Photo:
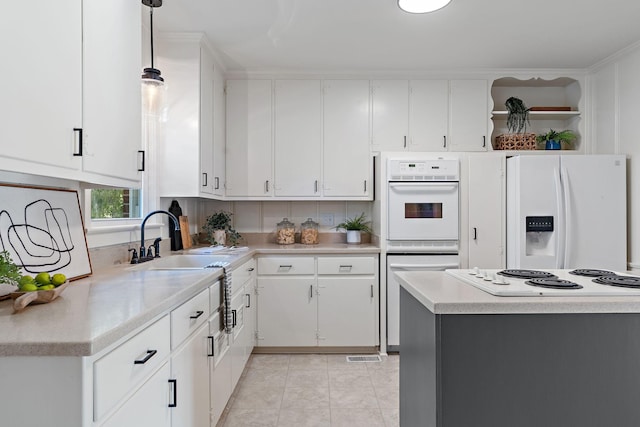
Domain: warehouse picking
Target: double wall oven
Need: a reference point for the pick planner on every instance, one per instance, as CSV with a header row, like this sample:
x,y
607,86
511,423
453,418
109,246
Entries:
x,y
423,226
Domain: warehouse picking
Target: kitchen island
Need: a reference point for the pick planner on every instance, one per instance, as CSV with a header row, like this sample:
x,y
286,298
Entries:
x,y
473,359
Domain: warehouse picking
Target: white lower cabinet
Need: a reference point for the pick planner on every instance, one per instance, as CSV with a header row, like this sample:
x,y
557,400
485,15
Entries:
x,y
189,389
346,311
149,406
287,311
333,305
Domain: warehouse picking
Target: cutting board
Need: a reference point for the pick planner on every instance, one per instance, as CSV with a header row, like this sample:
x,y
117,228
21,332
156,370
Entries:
x,y
184,232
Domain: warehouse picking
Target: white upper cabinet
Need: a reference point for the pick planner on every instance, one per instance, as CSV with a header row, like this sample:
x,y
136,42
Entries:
x,y
111,89
469,115
186,153
49,82
390,115
428,115
249,129
298,138
346,154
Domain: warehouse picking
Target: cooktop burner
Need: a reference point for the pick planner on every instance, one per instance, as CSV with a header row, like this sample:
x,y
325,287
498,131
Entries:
x,y
553,284
527,274
590,272
621,281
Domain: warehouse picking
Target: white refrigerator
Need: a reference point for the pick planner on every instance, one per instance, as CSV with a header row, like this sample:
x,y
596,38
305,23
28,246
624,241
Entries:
x,y
567,211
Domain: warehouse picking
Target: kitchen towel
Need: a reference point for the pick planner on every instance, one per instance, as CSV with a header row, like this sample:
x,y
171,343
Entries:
x,y
226,286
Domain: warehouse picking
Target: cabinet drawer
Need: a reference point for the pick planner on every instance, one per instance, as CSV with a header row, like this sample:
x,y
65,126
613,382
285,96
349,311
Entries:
x,y
286,265
119,371
215,296
243,274
346,265
188,317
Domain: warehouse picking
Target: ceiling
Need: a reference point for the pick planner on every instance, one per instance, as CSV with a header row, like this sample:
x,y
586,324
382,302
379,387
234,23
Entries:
x,y
375,35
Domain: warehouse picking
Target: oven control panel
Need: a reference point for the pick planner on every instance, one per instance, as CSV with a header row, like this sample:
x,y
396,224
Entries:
x,y
423,170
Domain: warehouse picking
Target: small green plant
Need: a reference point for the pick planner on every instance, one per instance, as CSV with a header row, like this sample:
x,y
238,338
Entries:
x,y
566,136
517,115
9,271
220,220
356,223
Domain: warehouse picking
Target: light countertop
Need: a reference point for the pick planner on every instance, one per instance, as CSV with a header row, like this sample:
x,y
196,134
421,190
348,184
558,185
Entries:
x,y
441,293
95,312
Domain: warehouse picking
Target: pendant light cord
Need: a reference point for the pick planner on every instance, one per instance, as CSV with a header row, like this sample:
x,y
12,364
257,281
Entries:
x,y
151,25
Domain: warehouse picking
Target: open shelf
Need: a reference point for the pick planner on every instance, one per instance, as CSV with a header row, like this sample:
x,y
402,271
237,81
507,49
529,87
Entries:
x,y
541,115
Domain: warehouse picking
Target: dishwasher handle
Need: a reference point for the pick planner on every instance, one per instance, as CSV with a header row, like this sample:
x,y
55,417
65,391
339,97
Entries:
x,y
434,267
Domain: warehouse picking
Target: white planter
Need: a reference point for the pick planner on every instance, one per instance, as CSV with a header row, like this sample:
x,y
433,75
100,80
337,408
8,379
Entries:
x,y
353,236
220,236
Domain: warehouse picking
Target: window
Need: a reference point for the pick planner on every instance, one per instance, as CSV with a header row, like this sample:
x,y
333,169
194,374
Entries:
x,y
116,203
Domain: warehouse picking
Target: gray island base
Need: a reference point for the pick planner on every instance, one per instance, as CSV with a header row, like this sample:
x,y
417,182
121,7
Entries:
x,y
462,369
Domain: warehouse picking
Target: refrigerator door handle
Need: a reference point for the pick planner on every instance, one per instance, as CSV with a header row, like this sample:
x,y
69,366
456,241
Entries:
x,y
560,234
564,178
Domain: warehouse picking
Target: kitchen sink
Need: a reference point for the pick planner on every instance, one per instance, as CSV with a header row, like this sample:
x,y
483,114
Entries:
x,y
183,262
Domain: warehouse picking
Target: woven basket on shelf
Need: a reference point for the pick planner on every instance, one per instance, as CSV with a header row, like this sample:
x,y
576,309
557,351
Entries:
x,y
515,141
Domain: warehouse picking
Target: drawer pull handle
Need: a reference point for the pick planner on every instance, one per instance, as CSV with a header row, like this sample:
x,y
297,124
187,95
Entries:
x,y
212,346
150,354
174,392
286,266
234,315
198,314
346,266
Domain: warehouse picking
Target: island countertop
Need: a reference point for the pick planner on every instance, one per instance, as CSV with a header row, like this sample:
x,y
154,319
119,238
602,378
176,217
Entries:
x,y
441,293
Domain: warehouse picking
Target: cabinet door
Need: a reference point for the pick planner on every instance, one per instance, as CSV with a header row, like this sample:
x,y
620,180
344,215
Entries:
x,y
111,89
469,115
346,311
486,211
298,121
220,383
239,337
219,143
39,113
249,128
250,316
346,153
428,115
390,115
287,311
190,370
207,177
149,406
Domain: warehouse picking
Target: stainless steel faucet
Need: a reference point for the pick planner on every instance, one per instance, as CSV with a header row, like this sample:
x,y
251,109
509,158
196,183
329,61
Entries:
x,y
142,257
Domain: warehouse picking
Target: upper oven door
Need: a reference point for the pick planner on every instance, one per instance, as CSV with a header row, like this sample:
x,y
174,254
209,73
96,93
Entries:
x,y
423,211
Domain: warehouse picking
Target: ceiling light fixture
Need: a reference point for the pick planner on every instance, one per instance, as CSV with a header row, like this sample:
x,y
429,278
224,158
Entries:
x,y
422,6
152,83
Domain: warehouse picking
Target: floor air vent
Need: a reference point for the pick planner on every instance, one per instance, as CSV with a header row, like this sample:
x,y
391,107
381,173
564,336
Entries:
x,y
373,358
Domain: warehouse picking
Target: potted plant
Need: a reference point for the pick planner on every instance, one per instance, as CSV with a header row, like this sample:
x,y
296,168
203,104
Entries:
x,y
354,226
219,230
554,139
517,137
9,271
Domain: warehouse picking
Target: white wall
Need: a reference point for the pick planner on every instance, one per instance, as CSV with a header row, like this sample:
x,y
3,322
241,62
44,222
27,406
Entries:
x,y
615,90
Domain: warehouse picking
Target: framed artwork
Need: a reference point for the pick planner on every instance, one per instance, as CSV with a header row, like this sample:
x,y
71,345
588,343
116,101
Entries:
x,y
43,231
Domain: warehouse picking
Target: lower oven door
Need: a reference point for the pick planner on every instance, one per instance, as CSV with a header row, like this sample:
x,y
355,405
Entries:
x,y
408,262
423,211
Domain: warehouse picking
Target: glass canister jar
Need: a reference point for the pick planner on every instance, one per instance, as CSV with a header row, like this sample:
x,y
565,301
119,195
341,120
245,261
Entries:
x,y
309,232
286,234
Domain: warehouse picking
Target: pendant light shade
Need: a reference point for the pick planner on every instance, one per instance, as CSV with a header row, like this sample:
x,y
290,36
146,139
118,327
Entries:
x,y
152,83
422,6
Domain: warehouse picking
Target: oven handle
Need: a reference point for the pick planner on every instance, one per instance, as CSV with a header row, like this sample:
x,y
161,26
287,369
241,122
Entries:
x,y
436,267
427,185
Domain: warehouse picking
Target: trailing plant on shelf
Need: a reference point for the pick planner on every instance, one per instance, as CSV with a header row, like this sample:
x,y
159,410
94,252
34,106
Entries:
x,y
517,115
219,230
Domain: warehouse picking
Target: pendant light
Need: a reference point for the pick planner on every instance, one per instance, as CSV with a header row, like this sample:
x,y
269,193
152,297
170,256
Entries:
x,y
422,6
152,83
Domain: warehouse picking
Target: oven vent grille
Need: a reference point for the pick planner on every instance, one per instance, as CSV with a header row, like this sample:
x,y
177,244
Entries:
x,y
374,358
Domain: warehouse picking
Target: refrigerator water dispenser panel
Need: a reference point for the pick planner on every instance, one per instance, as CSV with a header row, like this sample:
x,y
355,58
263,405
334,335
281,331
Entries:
x,y
539,223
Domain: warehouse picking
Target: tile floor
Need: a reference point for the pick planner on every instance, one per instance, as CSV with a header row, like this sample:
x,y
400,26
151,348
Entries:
x,y
298,390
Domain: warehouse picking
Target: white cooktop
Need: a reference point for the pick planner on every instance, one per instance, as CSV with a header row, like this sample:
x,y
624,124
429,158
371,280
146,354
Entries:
x,y
490,281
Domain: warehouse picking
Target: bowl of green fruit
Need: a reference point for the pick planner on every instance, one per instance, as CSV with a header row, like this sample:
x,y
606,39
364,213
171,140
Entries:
x,y
41,289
